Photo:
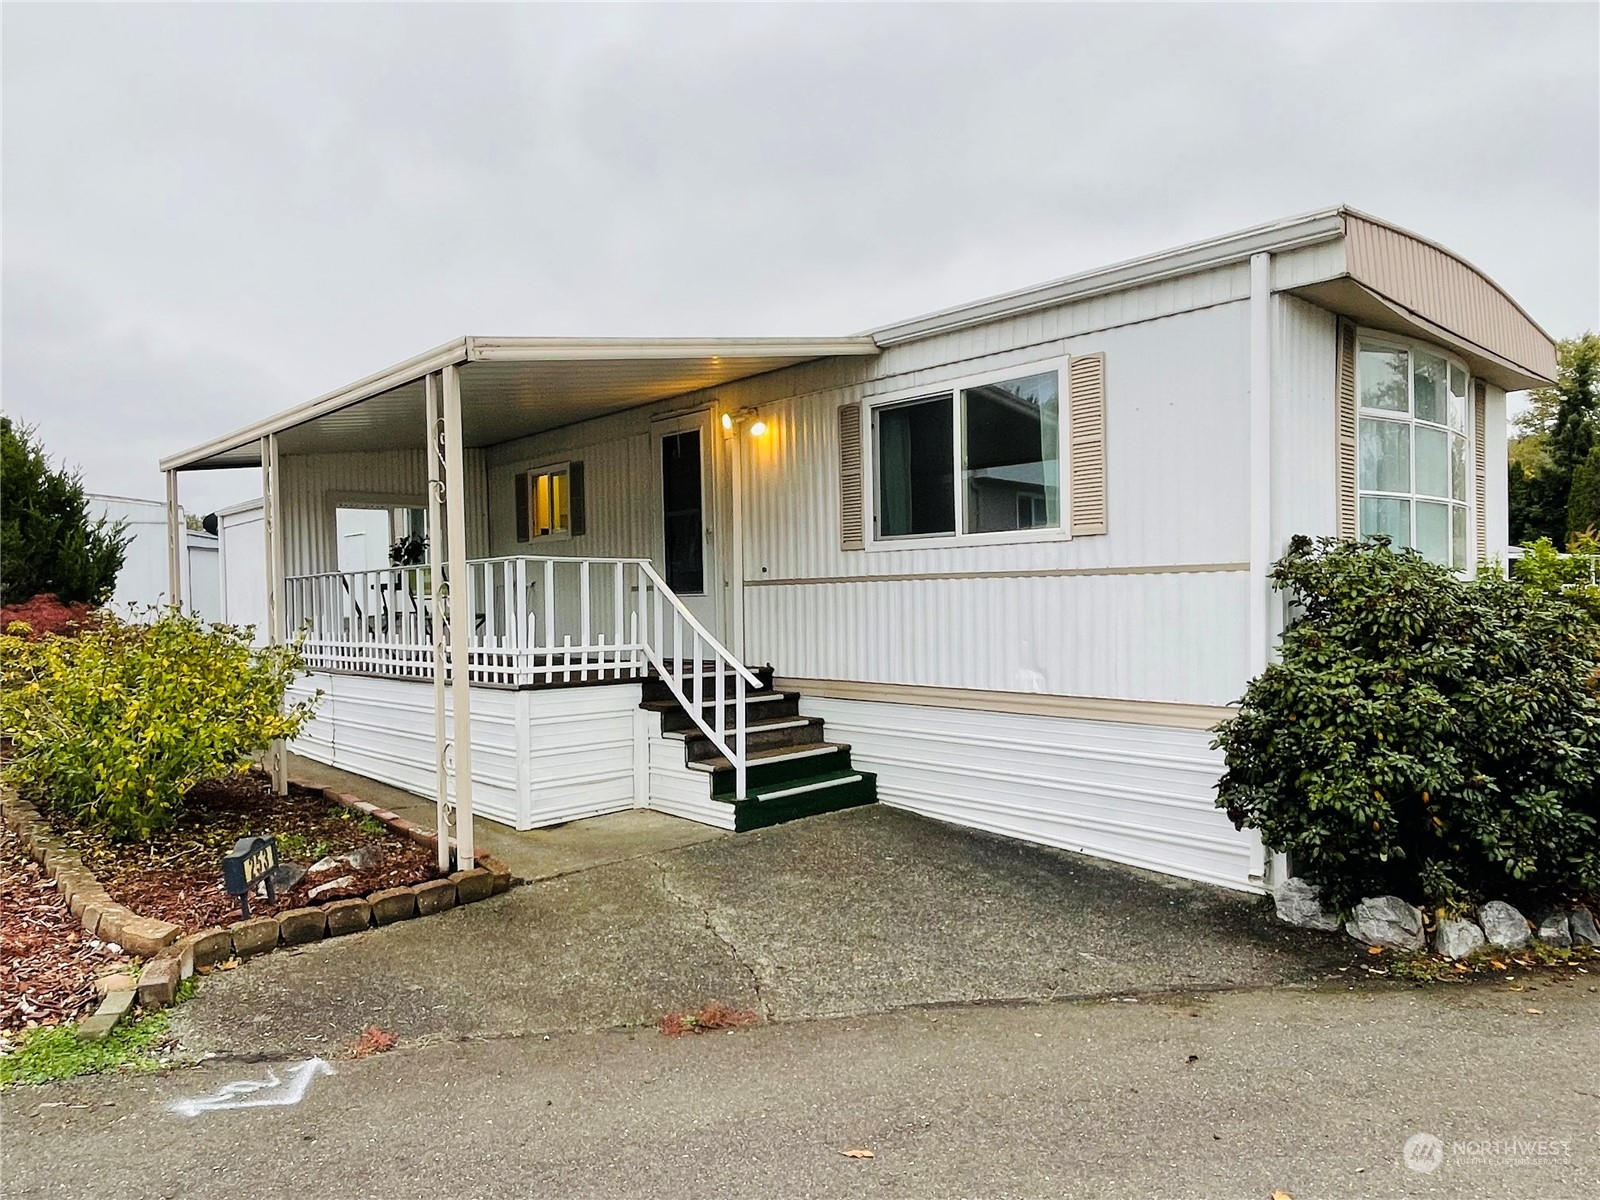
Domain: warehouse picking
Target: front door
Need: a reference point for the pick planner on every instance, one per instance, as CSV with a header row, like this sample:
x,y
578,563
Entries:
x,y
688,558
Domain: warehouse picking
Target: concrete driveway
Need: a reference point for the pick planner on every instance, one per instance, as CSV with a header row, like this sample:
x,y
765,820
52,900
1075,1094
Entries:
x,y
862,911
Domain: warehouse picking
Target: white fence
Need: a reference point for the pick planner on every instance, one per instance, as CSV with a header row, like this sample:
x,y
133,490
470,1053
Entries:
x,y
534,621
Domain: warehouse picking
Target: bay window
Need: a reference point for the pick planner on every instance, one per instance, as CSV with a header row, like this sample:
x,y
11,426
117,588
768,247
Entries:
x,y
1412,448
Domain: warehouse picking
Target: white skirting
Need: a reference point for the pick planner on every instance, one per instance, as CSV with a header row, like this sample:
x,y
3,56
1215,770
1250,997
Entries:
x,y
1137,794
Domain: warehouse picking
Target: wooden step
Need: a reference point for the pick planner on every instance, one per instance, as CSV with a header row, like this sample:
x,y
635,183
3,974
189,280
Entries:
x,y
776,768
759,706
653,687
759,736
828,792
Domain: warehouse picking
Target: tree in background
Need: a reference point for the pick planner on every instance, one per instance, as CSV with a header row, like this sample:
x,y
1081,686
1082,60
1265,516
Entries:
x,y
48,543
1554,442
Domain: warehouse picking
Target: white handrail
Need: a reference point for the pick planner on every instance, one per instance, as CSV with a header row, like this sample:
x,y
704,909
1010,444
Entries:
x,y
380,621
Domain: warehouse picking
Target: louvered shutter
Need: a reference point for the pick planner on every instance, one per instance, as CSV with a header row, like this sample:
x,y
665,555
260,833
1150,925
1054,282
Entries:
x,y
1480,466
577,514
519,489
851,518
1086,442
1345,397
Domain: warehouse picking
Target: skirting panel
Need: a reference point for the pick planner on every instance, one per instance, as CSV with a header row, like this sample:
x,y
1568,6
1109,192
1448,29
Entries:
x,y
538,758
1135,794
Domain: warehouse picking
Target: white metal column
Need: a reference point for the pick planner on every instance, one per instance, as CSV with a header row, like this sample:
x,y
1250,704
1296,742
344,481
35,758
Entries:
x,y
734,621
272,539
1261,550
174,543
462,612
436,573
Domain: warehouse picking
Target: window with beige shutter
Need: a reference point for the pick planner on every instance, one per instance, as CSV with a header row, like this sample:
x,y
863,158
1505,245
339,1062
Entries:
x,y
852,525
1086,444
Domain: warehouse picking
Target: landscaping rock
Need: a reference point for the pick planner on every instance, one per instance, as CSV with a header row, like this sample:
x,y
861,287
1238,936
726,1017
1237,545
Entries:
x,y
363,857
473,885
109,928
182,952
93,911
111,1010
158,982
298,926
286,875
323,865
393,904
347,916
1503,925
147,937
1387,921
333,885
119,981
254,936
498,869
1298,904
1457,939
1583,928
211,946
435,896
1555,929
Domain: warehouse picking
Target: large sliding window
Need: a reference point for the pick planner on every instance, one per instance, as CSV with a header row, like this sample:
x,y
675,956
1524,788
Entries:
x,y
1412,448
984,459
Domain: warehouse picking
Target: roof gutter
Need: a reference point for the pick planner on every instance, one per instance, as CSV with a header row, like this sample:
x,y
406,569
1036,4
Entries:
x,y
456,352
1292,234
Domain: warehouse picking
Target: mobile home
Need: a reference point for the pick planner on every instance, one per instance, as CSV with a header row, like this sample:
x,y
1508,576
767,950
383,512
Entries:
x,y
1004,565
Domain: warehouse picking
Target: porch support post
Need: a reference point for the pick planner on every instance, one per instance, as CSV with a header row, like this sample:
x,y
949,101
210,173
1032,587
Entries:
x,y
736,556
441,781
174,543
462,610
272,518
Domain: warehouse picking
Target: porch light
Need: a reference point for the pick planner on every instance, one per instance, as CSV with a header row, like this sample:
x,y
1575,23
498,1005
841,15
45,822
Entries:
x,y
757,428
727,422
754,425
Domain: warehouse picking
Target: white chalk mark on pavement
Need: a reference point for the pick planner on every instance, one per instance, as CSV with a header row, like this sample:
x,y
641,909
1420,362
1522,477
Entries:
x,y
270,1092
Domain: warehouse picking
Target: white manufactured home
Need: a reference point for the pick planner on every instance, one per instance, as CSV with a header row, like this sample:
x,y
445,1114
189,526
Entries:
x,y
1003,565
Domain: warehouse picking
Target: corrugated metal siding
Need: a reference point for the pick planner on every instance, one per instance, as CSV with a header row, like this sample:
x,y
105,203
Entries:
x,y
1495,447
313,485
622,503
1129,793
1447,291
1305,487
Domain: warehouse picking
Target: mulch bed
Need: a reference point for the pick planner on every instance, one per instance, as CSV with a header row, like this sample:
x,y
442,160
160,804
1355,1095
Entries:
x,y
48,964
177,875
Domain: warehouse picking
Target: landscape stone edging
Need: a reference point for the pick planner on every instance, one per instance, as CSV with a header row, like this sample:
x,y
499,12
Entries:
x,y
171,958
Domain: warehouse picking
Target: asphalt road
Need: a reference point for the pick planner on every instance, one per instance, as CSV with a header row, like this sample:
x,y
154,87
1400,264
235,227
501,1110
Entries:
x,y
1312,1092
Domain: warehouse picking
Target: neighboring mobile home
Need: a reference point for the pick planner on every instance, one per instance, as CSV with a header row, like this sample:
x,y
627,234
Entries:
x,y
1009,559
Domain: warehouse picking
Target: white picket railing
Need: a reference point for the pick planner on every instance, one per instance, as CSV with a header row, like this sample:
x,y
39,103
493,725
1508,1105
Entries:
x,y
535,620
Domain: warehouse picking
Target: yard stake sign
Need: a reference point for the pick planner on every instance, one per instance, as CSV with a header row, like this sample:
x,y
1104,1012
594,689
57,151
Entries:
x,y
251,861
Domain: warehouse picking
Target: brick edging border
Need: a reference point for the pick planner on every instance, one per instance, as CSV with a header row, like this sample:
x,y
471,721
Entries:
x,y
410,829
171,958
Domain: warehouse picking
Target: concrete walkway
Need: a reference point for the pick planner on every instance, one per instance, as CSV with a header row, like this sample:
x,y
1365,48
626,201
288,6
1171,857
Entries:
x,y
861,911
532,854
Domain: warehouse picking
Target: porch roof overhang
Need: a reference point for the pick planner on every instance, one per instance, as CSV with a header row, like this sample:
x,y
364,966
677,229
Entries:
x,y
513,387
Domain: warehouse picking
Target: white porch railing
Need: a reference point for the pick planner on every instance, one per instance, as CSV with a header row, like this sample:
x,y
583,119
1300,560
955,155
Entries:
x,y
534,621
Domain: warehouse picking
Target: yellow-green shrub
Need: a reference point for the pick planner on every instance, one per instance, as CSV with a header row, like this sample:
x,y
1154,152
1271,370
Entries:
x,y
116,723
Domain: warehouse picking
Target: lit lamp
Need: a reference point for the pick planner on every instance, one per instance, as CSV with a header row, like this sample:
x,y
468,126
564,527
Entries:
x,y
731,421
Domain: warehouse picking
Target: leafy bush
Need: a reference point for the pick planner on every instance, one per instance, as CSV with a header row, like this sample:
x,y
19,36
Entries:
x,y
1422,735
115,724
44,615
47,541
1572,576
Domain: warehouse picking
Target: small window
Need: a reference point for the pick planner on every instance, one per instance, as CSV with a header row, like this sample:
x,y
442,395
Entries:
x,y
549,502
1412,449
916,468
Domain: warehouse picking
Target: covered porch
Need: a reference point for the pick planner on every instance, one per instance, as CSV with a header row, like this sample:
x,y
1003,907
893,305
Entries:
x,y
453,596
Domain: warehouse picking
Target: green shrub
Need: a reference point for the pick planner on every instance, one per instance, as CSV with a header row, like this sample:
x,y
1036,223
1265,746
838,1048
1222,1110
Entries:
x,y
116,723
1571,577
47,541
1422,735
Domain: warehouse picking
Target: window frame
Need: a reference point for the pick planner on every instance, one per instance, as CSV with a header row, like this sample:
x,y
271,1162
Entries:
x,y
1470,501
533,474
873,541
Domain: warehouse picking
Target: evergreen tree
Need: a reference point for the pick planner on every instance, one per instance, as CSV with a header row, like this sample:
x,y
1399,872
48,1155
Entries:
x,y
1558,433
48,543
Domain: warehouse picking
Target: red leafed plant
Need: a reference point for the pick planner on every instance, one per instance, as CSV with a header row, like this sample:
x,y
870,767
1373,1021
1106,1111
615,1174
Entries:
x,y
712,1016
373,1041
44,614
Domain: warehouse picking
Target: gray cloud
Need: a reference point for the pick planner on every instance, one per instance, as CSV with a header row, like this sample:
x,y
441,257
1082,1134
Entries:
x,y
214,212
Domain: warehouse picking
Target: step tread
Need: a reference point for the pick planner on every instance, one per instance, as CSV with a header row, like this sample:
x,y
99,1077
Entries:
x,y
672,705
776,754
694,731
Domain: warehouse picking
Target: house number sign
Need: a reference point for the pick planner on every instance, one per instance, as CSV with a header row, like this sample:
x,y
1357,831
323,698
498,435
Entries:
x,y
251,861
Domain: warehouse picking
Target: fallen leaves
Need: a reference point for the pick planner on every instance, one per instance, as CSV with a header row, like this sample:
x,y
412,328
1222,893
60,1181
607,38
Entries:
x,y
858,1152
711,1016
373,1041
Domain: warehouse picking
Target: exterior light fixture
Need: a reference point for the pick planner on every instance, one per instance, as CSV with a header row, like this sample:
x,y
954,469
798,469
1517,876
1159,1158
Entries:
x,y
757,428
747,417
727,422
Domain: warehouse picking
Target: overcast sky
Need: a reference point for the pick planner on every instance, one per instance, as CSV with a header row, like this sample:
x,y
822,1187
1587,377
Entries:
x,y
212,213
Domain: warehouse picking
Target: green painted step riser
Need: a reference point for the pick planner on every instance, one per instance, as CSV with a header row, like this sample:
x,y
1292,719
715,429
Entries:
x,y
772,776
759,814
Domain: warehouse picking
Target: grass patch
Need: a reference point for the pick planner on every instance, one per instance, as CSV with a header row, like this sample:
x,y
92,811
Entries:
x,y
50,1054
365,822
54,1052
1489,961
